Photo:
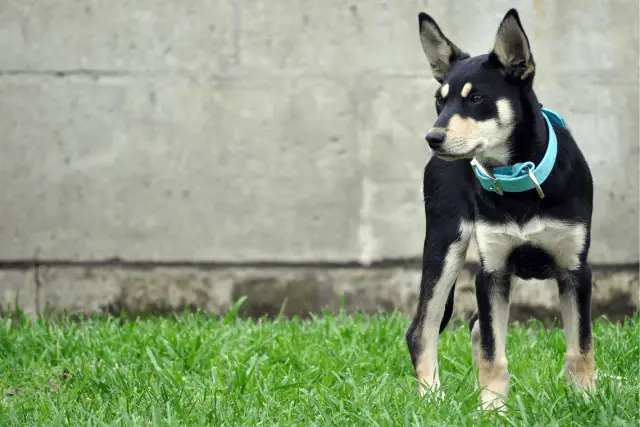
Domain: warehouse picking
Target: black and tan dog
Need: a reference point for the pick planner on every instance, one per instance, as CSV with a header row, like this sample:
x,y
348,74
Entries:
x,y
508,172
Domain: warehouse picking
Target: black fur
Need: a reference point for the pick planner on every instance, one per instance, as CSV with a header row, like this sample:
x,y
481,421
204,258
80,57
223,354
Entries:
x,y
453,194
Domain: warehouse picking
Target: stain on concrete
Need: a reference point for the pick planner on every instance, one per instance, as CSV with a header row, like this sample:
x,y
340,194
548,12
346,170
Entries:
x,y
118,291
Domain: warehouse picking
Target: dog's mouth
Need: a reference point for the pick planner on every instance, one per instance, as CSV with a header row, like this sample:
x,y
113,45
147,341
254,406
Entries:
x,y
452,157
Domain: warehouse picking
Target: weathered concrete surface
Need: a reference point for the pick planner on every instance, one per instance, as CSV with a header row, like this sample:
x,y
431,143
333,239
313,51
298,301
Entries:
x,y
18,289
77,291
292,291
214,170
274,131
87,291
149,35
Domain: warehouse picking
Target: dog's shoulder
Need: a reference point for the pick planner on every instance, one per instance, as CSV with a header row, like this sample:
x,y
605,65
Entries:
x,y
572,164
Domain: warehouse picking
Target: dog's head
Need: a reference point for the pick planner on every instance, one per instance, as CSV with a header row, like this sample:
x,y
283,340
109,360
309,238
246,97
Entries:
x,y
480,99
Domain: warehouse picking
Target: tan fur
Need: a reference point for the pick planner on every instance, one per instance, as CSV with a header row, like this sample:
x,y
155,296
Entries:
x,y
467,137
427,372
580,369
427,363
462,128
494,375
466,89
444,91
494,379
505,112
579,366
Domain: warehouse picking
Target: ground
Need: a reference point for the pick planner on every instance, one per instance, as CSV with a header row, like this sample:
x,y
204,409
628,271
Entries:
x,y
333,370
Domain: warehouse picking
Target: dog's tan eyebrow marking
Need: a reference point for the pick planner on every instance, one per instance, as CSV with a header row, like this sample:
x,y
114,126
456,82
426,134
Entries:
x,y
444,90
466,89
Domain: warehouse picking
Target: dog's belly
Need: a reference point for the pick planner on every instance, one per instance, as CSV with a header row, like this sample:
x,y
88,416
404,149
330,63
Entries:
x,y
534,249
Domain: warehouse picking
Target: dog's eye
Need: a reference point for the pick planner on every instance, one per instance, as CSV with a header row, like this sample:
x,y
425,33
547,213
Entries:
x,y
439,100
476,98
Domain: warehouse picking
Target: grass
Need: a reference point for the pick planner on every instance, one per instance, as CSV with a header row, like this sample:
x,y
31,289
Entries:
x,y
335,370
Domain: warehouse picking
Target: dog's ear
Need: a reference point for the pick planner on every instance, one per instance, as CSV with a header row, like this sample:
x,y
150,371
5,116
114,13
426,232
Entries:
x,y
440,52
511,50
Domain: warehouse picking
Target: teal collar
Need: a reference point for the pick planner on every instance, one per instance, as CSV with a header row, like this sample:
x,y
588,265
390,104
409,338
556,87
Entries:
x,y
523,176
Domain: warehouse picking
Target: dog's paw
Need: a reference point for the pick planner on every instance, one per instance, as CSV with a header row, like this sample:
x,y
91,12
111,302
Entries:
x,y
585,384
581,380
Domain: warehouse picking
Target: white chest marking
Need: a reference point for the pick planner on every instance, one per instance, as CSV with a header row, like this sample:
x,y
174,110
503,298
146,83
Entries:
x,y
564,241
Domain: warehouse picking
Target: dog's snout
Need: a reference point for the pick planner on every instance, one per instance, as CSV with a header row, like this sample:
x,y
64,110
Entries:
x,y
435,137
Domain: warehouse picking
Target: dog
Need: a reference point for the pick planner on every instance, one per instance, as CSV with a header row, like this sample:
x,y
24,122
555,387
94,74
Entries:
x,y
507,171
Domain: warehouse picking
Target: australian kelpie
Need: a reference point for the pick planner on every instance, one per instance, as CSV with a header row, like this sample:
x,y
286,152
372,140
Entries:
x,y
507,171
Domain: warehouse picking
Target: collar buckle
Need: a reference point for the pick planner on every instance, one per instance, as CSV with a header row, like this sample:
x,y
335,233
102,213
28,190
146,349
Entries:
x,y
496,185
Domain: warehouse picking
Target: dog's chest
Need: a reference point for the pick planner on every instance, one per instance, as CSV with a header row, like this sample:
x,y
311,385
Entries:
x,y
562,240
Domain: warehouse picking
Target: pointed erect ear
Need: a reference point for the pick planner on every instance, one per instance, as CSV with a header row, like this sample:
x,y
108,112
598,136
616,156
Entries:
x,y
512,50
440,52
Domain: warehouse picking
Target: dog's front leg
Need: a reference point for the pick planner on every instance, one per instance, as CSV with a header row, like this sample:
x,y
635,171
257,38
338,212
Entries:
x,y
490,333
575,302
444,254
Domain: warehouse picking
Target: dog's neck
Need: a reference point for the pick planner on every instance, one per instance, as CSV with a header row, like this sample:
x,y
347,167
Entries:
x,y
531,136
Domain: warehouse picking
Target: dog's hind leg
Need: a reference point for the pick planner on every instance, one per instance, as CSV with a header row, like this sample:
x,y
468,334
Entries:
x,y
445,249
492,294
575,302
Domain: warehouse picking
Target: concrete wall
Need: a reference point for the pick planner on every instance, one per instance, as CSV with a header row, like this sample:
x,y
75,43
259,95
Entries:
x,y
249,131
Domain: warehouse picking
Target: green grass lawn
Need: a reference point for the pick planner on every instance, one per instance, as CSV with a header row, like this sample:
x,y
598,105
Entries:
x,y
336,370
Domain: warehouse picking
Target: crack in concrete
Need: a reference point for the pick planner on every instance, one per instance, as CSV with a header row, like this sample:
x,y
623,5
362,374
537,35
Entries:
x,y
24,264
239,73
80,72
415,262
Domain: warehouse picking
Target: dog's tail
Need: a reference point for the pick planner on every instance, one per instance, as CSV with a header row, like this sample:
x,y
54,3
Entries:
x,y
448,309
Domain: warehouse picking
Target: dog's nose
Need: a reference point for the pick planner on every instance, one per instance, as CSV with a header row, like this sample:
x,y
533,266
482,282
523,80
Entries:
x,y
435,137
